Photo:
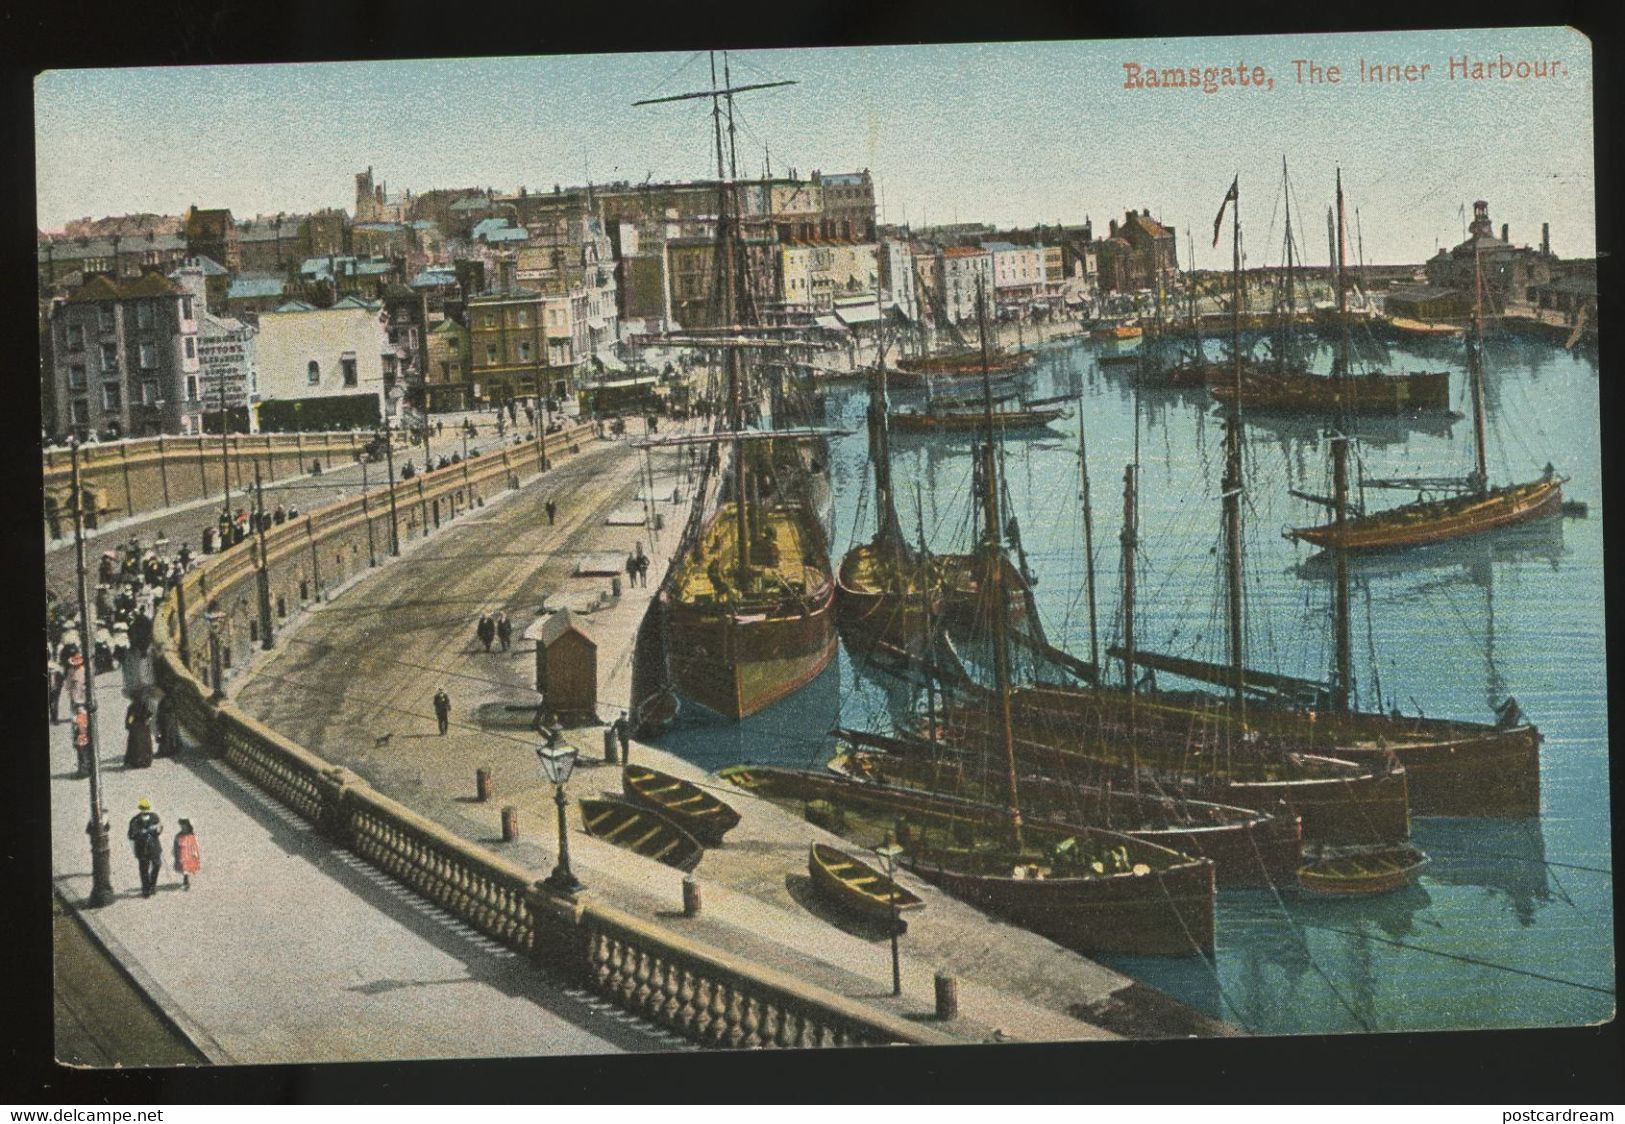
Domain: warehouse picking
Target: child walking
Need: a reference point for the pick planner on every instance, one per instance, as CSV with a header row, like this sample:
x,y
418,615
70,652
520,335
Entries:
x,y
186,853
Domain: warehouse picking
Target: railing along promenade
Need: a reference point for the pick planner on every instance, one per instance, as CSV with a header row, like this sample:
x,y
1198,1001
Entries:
x,y
142,475
702,993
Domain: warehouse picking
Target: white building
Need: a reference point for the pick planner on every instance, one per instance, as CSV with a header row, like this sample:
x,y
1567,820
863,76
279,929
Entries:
x,y
307,353
228,374
898,277
961,269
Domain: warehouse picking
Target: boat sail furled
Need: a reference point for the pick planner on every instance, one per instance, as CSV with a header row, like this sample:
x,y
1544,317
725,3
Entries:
x,y
747,604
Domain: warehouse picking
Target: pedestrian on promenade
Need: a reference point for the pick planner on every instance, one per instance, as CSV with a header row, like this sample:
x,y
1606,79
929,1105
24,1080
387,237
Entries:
x,y
442,710
504,631
187,858
439,428
486,630
165,732
279,515
208,540
138,744
553,731
631,569
552,510
643,570
184,556
54,678
145,828
623,734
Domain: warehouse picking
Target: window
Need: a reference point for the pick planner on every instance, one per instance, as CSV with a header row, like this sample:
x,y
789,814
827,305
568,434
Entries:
x,y
76,337
191,388
191,348
149,357
109,357
313,373
80,412
104,314
347,367
445,371
111,397
143,314
491,353
524,318
76,377
149,394
524,351
186,308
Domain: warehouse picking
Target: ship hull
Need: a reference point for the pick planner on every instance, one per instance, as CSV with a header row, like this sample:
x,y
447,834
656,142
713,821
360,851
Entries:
x,y
738,665
1301,392
1435,521
872,616
969,421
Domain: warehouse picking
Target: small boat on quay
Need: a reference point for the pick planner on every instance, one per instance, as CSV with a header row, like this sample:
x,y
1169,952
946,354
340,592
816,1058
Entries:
x,y
1117,331
641,831
700,813
857,887
1362,872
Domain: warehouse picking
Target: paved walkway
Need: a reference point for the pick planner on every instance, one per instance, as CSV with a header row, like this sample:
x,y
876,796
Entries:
x,y
285,946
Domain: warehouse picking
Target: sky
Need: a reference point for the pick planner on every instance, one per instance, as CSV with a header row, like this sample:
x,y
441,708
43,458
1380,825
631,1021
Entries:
x,y
1004,133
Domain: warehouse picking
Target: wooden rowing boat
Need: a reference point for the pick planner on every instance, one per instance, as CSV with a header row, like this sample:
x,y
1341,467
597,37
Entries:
x,y
855,886
642,831
1431,521
686,804
1356,873
969,420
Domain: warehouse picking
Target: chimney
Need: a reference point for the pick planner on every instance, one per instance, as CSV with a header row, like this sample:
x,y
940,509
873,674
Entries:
x,y
1503,232
505,270
1546,238
1111,227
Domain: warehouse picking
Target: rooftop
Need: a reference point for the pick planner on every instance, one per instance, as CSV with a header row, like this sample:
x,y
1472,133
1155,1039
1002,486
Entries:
x,y
249,286
101,288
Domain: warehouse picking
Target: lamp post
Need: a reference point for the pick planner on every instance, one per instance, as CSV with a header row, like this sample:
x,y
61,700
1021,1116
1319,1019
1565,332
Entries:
x,y
101,868
888,855
217,670
557,763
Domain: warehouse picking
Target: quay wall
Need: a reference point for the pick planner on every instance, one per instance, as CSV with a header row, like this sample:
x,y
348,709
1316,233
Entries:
x,y
702,993
150,474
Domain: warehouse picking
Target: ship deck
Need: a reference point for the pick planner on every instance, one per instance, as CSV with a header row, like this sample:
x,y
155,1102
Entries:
x,y
795,567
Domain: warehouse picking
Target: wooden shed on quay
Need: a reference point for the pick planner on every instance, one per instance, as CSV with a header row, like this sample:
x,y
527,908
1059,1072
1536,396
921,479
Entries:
x,y
566,666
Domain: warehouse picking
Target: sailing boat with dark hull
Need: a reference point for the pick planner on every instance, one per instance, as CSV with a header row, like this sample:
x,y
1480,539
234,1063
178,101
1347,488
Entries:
x,y
748,600
1287,386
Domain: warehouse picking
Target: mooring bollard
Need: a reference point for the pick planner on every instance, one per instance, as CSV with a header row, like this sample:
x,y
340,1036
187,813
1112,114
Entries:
x,y
691,896
482,785
947,996
615,586
610,745
510,824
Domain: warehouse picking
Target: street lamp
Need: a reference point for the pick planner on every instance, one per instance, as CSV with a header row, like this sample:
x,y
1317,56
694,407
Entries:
x,y
217,672
888,854
558,761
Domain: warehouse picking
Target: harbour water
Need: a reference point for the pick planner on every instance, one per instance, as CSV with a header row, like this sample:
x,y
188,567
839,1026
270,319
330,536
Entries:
x,y
1511,923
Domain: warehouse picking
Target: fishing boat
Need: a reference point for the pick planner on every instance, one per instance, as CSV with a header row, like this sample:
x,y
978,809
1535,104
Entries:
x,y
1246,847
697,811
1423,330
1362,872
1287,386
965,363
1088,889
857,887
941,421
1474,508
641,831
746,607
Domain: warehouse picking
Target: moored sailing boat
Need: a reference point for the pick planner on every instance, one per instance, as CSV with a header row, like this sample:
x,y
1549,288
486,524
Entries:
x,y
1475,508
748,601
1290,387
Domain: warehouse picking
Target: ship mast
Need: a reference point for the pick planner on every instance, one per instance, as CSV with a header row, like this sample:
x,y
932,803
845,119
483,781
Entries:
x,y
1479,482
1281,358
729,255
1088,536
1340,566
999,602
1232,474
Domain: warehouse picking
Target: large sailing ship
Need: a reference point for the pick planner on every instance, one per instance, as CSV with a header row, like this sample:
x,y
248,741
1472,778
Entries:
x,y
747,604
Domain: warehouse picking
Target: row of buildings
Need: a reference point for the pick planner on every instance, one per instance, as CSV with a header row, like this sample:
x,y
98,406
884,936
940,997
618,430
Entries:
x,y
453,297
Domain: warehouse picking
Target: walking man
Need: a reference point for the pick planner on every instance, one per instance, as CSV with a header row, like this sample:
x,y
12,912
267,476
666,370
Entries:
x,y
552,509
623,734
442,710
54,680
486,630
504,630
643,570
145,828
